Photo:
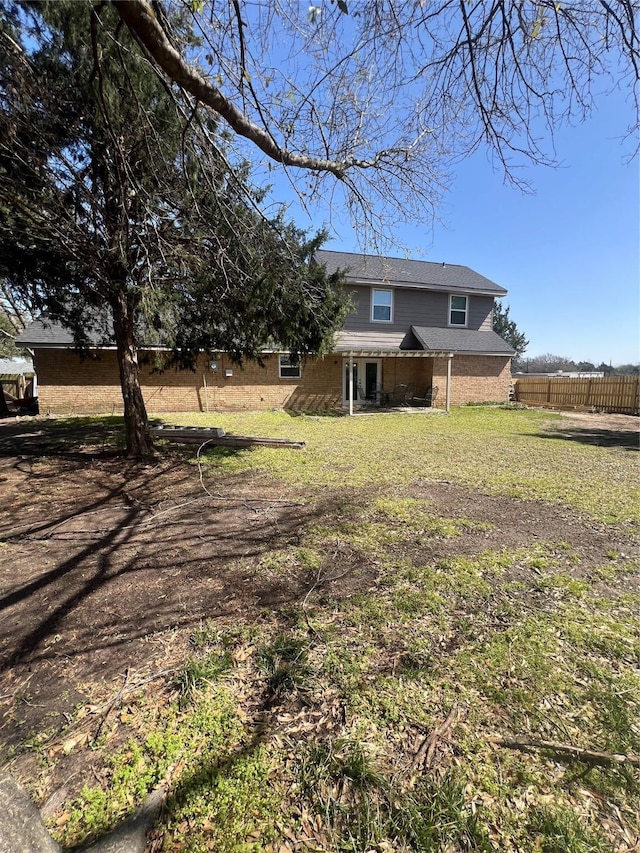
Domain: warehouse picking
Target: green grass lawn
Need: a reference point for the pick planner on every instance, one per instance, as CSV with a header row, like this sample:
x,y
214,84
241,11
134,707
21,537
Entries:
x,y
500,451
308,729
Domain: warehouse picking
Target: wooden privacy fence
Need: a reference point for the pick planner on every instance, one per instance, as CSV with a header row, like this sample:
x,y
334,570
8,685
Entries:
x,y
606,393
14,385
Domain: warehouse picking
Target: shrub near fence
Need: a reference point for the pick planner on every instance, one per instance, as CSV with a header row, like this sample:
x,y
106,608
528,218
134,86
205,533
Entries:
x,y
606,393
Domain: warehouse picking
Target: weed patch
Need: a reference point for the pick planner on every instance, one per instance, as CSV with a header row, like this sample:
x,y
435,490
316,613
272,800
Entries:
x,y
209,730
363,809
202,671
286,664
232,803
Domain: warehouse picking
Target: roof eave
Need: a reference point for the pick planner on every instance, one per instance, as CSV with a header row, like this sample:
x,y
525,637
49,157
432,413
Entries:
x,y
498,293
91,347
488,352
394,353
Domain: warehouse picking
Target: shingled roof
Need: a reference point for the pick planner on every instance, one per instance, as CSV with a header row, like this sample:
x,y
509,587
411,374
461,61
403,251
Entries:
x,y
47,333
423,339
461,341
426,275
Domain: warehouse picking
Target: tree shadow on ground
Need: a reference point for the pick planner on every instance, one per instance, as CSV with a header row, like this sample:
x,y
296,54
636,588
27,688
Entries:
x,y
627,439
101,555
69,437
106,562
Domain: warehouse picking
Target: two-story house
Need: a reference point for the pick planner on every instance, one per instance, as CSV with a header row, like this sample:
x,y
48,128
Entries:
x,y
420,329
420,334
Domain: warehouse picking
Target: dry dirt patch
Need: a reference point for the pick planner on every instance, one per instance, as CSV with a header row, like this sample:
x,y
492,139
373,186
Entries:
x,y
104,565
599,428
603,420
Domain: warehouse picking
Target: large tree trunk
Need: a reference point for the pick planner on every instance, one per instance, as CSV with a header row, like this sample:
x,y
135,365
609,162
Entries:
x,y
136,422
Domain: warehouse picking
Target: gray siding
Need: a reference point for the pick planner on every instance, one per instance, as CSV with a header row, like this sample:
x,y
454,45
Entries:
x,y
481,313
415,308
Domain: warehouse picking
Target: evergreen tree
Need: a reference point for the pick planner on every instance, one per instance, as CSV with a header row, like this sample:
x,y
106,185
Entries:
x,y
121,216
508,330
8,348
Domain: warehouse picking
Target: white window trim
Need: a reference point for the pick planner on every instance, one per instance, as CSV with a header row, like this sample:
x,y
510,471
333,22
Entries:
x,y
466,311
375,290
289,367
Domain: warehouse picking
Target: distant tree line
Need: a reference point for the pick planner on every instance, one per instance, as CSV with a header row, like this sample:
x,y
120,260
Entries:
x,y
549,363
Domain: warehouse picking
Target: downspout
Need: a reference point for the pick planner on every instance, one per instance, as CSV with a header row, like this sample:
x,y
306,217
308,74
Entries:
x,y
350,384
448,391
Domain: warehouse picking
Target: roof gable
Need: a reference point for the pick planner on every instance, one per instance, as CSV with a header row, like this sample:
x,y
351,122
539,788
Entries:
x,y
401,272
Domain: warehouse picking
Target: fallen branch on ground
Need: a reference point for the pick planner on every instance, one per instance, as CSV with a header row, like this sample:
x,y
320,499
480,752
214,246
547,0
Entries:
x,y
112,704
592,755
322,579
104,709
428,746
193,435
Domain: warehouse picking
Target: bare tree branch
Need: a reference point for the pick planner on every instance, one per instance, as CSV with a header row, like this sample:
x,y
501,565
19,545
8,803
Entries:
x,y
139,17
389,100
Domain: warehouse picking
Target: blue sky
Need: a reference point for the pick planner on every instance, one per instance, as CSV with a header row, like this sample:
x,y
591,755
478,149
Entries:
x,y
568,254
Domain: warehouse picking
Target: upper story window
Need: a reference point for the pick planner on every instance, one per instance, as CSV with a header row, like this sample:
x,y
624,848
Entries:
x,y
381,305
458,310
288,369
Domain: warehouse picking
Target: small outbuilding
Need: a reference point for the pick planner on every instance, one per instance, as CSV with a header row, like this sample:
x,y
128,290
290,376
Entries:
x,y
18,383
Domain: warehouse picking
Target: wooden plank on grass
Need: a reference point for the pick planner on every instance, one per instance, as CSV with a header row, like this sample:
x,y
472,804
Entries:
x,y
194,435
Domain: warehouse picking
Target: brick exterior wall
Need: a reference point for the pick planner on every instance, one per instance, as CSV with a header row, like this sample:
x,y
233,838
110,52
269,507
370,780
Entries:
x,y
68,385
415,372
474,379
